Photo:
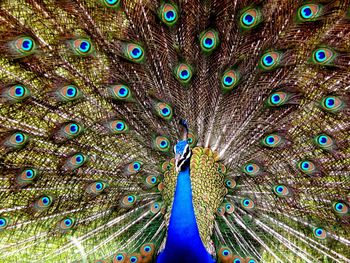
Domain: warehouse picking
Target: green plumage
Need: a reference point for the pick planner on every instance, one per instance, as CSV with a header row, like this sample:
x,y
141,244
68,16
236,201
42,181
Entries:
x,y
91,94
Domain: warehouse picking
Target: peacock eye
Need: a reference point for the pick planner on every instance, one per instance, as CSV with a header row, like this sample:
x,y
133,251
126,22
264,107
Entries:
x,y
323,56
325,142
111,3
250,18
332,104
309,12
209,40
4,222
68,93
281,190
229,80
319,233
169,14
118,126
120,92
270,60
247,203
16,93
134,52
81,46
340,208
183,73
164,111
162,143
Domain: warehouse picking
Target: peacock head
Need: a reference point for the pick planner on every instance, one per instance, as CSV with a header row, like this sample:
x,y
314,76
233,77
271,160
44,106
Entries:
x,y
182,155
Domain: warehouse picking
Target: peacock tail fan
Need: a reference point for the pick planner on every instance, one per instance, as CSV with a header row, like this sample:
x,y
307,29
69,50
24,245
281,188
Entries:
x,y
91,95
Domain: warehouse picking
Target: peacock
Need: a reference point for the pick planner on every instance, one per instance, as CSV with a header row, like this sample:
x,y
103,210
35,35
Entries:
x,y
175,131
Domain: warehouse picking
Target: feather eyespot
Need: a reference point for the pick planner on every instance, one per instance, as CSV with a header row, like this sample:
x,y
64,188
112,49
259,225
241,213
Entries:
x,y
17,140
251,260
76,161
68,93
341,208
309,12
307,167
319,233
16,93
134,52
155,207
129,200
164,111
162,143
332,104
224,254
147,250
281,190
4,222
24,46
111,3
120,92
325,142
247,203
237,259
209,40
118,126
71,130
43,203
27,176
323,56
151,180
119,257
134,258
81,46
66,224
229,80
250,18
169,14
96,188
230,183
134,167
183,73
270,60
277,98
229,208
272,140
251,169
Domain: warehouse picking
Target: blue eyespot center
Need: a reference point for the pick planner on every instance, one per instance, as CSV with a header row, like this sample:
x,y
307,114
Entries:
x,y
165,111
147,248
45,200
246,202
237,261
133,259
248,19
27,44
226,252
306,12
275,99
19,138
319,232
130,198
2,222
170,16
153,180
136,166
184,74
279,189
71,91
120,257
228,80
270,140
250,168
29,174
136,52
322,140
79,158
112,2
208,42
99,186
73,128
67,222
163,144
120,126
305,165
156,206
330,102
84,46
19,91
339,206
268,60
228,183
321,55
123,92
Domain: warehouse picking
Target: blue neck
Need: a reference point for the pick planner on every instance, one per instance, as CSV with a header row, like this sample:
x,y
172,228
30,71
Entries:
x,y
183,243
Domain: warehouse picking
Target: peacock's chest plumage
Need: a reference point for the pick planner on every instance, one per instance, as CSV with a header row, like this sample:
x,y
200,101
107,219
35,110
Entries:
x,y
94,166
